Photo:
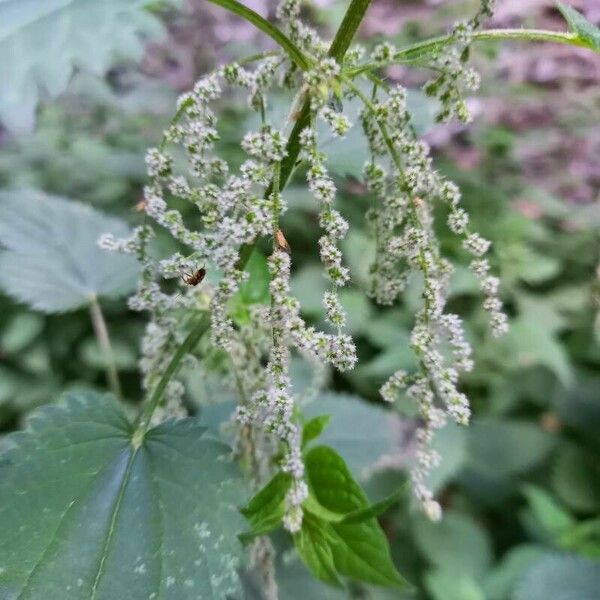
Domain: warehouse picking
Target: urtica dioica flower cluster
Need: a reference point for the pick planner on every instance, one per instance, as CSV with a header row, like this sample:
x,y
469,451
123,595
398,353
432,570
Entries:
x,y
236,209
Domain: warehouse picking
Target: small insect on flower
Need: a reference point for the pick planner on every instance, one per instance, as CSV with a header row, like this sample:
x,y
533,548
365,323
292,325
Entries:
x,y
194,279
141,206
281,242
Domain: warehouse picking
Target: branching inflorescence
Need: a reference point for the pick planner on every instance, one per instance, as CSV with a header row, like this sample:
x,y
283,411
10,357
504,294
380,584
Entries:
x,y
236,209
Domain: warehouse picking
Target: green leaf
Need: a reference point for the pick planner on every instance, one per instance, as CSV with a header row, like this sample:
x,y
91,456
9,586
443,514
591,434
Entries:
x,y
315,548
266,509
560,578
531,343
576,479
450,442
294,580
504,448
314,428
43,41
359,550
374,510
308,285
457,544
548,515
447,585
361,446
256,288
52,259
588,33
9,383
502,580
583,538
357,516
358,310
85,514
20,331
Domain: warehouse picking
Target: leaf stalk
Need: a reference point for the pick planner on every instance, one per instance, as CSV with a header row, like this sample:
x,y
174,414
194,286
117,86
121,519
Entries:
x,y
103,337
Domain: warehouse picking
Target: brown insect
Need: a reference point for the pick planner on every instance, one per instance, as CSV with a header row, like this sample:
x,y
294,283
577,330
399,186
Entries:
x,y
140,206
194,279
281,242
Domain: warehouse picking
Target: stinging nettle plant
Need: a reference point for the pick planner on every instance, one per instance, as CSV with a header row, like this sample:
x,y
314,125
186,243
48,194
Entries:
x,y
149,507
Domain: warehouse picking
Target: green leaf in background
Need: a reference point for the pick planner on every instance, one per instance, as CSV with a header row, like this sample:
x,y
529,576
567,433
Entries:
x,y
587,32
20,331
456,544
309,285
347,155
576,478
546,514
450,442
85,514
361,446
52,259
358,550
256,288
532,343
43,41
447,585
584,538
561,578
500,582
503,448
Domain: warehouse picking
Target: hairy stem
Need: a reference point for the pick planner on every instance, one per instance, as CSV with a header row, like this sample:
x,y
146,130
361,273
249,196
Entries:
x,y
271,30
199,328
101,331
341,42
410,53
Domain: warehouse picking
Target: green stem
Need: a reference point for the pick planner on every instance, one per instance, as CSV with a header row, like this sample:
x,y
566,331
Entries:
x,y
339,46
350,24
101,331
200,327
273,32
341,42
414,51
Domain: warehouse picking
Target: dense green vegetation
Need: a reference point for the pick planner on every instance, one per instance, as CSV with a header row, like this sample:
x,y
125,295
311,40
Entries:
x,y
520,486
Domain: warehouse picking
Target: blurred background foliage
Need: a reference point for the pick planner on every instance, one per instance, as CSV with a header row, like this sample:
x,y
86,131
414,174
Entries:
x,y
521,486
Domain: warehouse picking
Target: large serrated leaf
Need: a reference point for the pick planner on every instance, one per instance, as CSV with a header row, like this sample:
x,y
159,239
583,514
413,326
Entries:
x,y
52,259
588,33
85,514
43,41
